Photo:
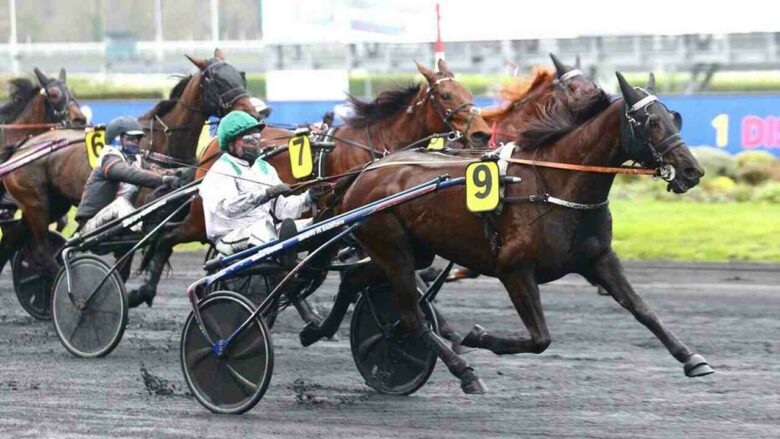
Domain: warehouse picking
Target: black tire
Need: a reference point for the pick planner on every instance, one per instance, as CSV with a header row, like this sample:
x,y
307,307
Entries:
x,y
33,289
235,382
390,360
97,328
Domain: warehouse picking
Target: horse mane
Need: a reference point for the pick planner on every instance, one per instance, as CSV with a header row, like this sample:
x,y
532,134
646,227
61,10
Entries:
x,y
386,104
517,90
561,116
23,90
166,105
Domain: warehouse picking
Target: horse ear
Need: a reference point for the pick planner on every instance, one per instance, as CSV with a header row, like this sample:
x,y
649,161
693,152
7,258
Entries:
x,y
560,68
630,95
42,78
219,55
578,63
199,63
444,70
425,71
63,75
651,83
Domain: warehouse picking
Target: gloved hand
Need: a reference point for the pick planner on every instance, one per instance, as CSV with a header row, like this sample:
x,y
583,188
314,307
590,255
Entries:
x,y
171,181
279,189
317,191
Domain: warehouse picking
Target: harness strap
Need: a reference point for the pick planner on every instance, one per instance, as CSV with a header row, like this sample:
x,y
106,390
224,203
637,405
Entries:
x,y
547,198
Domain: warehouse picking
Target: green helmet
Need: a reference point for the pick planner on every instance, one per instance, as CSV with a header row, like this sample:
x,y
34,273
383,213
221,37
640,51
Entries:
x,y
234,124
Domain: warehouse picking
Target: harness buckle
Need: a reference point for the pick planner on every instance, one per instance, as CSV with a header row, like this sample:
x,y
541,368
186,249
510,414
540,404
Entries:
x,y
454,135
666,172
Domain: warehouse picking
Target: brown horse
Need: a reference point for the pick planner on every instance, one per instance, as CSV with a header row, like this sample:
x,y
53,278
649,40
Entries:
x,y
40,106
394,119
567,91
33,109
47,188
529,99
541,237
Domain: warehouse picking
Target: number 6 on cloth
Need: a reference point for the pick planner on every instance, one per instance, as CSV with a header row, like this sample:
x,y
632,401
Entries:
x,y
95,139
301,161
482,186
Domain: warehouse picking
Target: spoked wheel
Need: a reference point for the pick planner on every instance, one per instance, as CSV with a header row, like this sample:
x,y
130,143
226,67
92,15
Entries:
x,y
236,380
255,288
389,359
89,323
33,288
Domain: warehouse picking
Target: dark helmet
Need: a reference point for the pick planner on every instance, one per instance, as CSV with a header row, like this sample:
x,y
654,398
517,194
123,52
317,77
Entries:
x,y
123,125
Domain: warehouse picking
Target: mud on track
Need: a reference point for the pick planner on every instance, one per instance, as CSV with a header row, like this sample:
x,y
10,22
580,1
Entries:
x,y
604,376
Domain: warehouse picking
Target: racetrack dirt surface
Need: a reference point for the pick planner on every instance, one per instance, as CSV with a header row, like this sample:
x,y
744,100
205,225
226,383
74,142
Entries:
x,y
604,376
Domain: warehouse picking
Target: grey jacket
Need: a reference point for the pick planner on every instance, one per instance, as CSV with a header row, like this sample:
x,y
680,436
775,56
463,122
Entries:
x,y
105,180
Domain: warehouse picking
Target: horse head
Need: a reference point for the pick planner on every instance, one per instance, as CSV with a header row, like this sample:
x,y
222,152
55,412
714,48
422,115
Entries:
x,y
650,135
223,87
61,105
449,107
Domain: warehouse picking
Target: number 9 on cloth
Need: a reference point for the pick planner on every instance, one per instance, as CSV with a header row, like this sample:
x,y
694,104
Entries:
x,y
482,186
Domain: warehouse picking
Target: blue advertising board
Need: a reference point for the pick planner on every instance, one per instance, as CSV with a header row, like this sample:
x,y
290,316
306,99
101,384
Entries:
x,y
734,123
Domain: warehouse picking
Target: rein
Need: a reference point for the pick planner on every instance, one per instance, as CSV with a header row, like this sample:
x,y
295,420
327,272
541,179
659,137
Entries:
x,y
26,126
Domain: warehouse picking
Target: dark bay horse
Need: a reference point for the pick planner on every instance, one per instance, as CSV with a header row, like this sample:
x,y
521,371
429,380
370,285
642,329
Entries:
x,y
393,120
541,238
47,188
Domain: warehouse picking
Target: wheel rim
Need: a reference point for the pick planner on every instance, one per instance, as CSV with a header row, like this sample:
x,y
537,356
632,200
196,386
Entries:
x,y
390,360
89,327
236,381
32,287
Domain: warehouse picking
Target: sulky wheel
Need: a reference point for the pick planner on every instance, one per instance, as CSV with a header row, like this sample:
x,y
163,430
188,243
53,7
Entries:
x,y
255,287
236,380
90,323
389,359
33,288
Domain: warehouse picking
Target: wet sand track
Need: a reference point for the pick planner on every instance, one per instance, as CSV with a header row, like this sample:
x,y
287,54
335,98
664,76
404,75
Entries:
x,y
604,376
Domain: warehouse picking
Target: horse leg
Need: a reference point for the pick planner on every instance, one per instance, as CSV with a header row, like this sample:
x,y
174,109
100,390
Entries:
x,y
352,282
393,252
154,270
608,272
124,268
524,293
10,243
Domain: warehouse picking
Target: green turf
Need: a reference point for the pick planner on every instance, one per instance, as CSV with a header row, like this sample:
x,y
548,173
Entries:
x,y
645,230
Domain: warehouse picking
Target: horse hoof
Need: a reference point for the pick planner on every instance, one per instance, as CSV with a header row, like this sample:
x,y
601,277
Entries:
x,y
474,338
471,384
310,334
697,366
137,297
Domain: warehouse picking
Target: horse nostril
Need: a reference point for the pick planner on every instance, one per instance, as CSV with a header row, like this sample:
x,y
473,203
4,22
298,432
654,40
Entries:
x,y
480,137
693,173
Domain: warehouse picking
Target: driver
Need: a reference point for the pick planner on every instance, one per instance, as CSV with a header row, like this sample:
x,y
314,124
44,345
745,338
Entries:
x,y
113,185
242,194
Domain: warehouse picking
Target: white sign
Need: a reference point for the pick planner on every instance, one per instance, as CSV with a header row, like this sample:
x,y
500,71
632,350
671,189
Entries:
x,y
306,85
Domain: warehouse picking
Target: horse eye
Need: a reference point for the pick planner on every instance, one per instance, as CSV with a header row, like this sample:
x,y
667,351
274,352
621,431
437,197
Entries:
x,y
446,96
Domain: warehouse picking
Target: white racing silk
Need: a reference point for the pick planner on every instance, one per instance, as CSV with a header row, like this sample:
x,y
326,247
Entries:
x,y
230,205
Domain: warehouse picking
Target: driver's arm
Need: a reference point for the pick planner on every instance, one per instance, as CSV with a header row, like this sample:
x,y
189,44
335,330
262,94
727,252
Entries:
x,y
116,169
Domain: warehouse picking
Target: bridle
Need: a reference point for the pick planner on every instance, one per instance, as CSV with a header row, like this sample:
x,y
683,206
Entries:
x,y
447,114
636,117
560,83
223,100
60,114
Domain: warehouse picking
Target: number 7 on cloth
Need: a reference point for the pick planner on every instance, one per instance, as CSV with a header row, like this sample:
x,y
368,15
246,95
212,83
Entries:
x,y
482,186
301,162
